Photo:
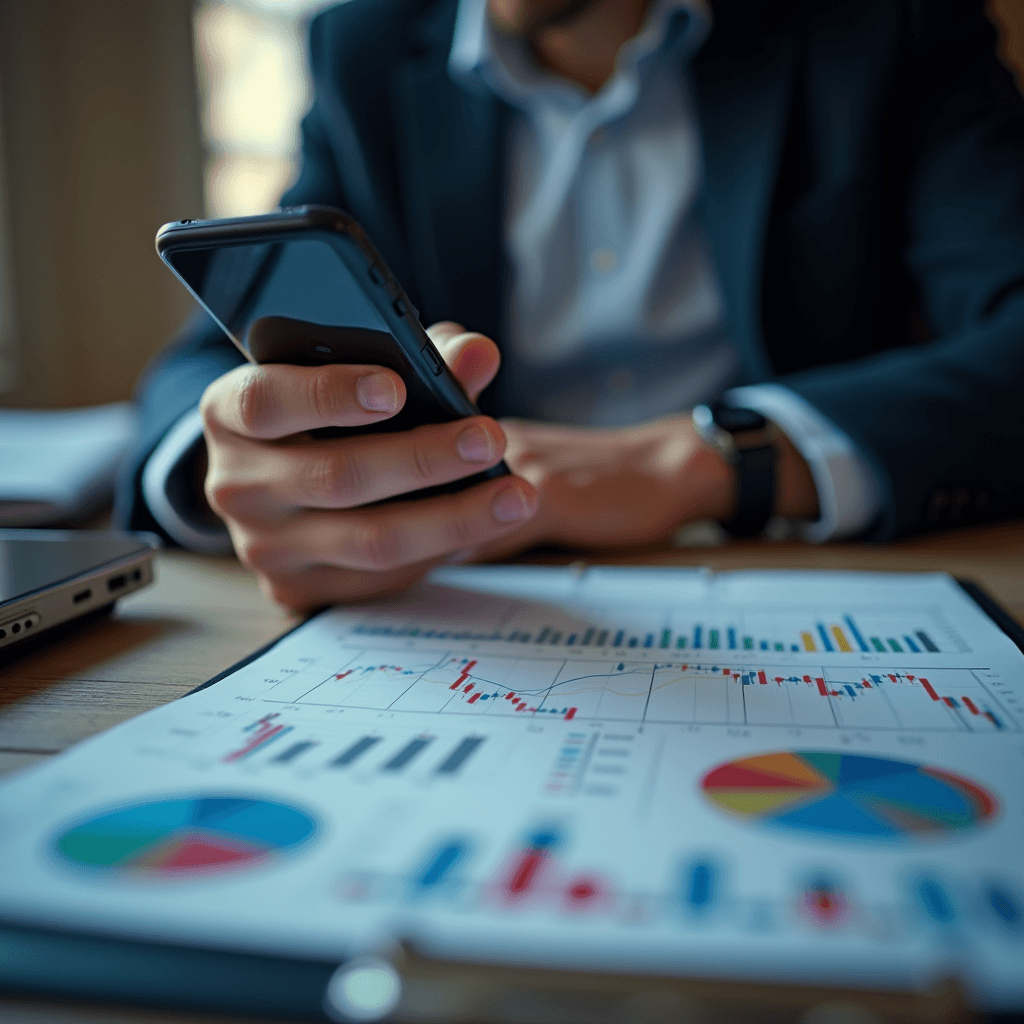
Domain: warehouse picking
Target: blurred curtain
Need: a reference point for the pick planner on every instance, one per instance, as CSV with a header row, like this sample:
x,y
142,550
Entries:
x,y
101,144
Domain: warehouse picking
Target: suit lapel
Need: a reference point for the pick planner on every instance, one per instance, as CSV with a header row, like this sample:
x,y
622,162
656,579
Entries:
x,y
742,80
450,146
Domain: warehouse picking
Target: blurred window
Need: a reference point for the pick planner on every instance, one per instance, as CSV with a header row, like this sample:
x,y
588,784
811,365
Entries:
x,y
253,89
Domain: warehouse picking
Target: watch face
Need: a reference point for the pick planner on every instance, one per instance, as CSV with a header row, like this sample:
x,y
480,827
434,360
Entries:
x,y
737,421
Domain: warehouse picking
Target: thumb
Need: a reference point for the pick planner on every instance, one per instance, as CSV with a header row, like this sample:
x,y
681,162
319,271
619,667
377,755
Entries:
x,y
472,357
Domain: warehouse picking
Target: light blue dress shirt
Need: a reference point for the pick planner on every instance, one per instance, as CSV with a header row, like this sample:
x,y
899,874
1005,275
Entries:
x,y
615,315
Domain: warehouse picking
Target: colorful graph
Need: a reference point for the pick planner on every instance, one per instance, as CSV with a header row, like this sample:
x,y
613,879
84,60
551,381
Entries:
x,y
173,838
842,633
848,795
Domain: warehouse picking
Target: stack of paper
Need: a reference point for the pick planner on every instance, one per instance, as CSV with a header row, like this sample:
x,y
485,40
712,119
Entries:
x,y
56,466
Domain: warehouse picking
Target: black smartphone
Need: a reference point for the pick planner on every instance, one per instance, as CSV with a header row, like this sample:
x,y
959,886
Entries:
x,y
305,286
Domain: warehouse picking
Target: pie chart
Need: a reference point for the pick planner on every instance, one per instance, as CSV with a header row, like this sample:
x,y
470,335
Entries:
x,y
848,796
186,836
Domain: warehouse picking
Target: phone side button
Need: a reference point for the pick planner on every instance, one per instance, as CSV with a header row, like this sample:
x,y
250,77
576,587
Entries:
x,y
433,358
375,276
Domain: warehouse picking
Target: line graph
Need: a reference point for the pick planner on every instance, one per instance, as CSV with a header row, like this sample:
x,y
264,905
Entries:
x,y
671,692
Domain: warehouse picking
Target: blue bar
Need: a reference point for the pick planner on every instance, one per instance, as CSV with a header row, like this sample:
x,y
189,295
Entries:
x,y
649,640
825,642
555,637
934,900
617,642
848,619
455,760
697,631
570,640
764,645
602,638
440,865
514,635
406,754
850,690
792,647
910,643
877,680
732,638
543,634
700,886
1005,907
995,721
632,641
588,636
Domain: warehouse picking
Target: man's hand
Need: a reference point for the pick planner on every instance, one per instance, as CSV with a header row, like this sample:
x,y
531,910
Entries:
x,y
634,485
293,504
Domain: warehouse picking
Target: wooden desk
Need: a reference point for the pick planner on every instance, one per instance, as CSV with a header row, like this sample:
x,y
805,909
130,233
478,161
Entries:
x,y
204,614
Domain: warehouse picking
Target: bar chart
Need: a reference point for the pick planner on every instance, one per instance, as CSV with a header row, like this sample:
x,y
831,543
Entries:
x,y
906,631
394,753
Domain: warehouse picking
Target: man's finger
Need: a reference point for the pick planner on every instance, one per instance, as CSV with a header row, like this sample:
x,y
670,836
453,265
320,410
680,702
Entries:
x,y
389,538
472,357
273,401
258,479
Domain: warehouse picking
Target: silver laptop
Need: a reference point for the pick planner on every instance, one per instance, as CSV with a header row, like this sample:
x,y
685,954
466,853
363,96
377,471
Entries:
x,y
49,577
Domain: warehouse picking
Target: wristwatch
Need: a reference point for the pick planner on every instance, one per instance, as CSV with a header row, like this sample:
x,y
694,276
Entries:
x,y
745,439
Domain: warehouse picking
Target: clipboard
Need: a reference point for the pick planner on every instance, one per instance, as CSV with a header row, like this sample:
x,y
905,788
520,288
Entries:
x,y
69,964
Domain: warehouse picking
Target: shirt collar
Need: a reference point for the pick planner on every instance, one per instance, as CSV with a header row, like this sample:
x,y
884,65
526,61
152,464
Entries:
x,y
484,60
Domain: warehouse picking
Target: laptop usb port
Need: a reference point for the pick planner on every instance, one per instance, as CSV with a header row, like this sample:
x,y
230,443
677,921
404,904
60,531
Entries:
x,y
117,582
82,595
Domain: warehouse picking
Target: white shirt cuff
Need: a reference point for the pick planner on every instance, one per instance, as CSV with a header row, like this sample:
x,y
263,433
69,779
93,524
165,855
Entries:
x,y
849,494
178,444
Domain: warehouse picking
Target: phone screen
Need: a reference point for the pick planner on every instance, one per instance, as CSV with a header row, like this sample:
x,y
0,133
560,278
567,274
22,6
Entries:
x,y
269,295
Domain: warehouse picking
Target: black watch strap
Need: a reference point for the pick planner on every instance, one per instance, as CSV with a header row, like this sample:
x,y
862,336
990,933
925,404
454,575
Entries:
x,y
745,438
755,491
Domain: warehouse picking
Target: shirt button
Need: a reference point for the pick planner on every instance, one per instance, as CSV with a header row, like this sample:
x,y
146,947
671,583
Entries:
x,y
602,261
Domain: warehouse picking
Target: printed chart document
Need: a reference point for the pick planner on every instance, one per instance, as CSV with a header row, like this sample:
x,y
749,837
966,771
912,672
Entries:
x,y
814,778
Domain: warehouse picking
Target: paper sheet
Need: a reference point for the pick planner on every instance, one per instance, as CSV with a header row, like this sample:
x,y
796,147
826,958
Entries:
x,y
809,777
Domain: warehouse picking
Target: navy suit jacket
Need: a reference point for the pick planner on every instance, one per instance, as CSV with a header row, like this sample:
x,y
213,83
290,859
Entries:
x,y
864,194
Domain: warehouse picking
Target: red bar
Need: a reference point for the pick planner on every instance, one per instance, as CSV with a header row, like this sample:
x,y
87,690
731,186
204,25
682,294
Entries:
x,y
341,675
779,679
929,690
465,674
762,678
511,695
726,672
948,701
895,680
467,688
520,705
259,738
524,873
969,704
822,688
865,684
807,679
474,698
571,714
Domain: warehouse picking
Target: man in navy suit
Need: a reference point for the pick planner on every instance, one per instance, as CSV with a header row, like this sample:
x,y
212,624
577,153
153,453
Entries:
x,y
808,216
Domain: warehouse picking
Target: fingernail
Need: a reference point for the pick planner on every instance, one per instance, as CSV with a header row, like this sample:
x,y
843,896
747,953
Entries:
x,y
475,444
511,505
376,392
